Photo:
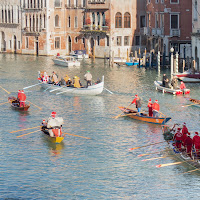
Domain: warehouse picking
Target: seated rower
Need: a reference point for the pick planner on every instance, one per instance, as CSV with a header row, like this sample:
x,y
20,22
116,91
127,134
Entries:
x,y
55,78
174,82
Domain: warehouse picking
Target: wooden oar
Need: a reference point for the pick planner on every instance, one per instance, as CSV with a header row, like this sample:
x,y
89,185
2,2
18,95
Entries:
x,y
5,90
31,86
28,133
76,135
56,89
189,171
168,164
34,105
48,88
126,115
162,114
154,158
24,129
4,103
108,90
146,145
121,113
189,105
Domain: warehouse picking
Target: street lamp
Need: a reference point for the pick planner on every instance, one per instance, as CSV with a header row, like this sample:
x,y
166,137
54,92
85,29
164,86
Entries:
x,y
172,61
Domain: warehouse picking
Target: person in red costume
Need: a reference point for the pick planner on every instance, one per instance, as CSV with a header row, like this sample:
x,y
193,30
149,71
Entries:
x,y
155,108
150,108
137,102
182,86
188,143
185,129
178,139
22,99
196,142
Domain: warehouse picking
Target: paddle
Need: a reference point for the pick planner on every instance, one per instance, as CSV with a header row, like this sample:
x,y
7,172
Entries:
x,y
24,129
28,133
5,90
76,135
189,105
4,103
145,145
108,90
31,86
125,115
189,171
121,113
34,105
146,154
162,114
168,164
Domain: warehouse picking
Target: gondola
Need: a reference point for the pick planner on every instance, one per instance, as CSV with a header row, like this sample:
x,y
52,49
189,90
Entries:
x,y
15,104
143,117
55,140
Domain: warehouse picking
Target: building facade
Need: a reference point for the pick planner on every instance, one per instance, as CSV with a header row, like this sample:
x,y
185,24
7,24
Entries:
x,y
10,26
196,33
169,24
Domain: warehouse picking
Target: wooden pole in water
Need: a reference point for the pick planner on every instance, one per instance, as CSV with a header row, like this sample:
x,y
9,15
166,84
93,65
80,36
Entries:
x,y
172,61
158,62
183,65
177,62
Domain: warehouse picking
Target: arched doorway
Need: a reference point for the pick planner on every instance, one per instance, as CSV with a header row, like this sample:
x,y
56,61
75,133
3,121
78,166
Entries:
x,y
69,44
92,46
15,44
3,41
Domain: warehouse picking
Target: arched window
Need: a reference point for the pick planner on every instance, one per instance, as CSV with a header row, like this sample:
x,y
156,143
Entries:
x,y
127,20
118,20
56,21
57,3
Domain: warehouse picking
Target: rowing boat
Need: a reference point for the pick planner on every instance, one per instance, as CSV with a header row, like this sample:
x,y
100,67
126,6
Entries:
x,y
189,80
15,104
95,89
159,87
195,101
54,139
143,117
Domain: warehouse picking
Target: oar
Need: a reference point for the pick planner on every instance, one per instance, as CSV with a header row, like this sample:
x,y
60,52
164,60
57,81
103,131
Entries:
x,y
47,88
4,103
56,89
154,158
5,90
168,164
189,105
108,90
28,133
31,86
145,145
125,115
121,113
34,105
162,114
24,129
189,171
146,154
76,135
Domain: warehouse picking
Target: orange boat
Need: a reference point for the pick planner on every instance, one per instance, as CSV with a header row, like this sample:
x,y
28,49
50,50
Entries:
x,y
143,117
15,104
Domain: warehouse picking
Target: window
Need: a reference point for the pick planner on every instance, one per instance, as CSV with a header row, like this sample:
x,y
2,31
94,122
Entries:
x,y
195,11
98,18
118,20
142,21
57,3
26,42
18,44
44,21
18,15
2,16
126,40
84,3
56,21
149,1
174,22
174,1
107,43
161,20
69,22
69,2
103,19
162,1
137,40
9,20
98,40
76,22
156,1
57,42
10,44
93,18
119,40
83,41
76,39
75,3
156,20
127,20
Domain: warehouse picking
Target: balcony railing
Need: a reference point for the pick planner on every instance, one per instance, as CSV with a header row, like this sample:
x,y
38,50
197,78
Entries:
x,y
157,31
96,1
95,29
175,32
145,31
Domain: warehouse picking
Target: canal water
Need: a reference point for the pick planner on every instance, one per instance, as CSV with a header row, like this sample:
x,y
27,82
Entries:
x,y
101,167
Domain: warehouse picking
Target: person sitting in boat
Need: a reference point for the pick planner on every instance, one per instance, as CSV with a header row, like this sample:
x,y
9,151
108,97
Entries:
x,y
137,102
167,83
66,78
188,144
174,82
55,78
58,54
98,81
22,99
182,86
45,78
44,124
62,81
54,124
150,108
76,82
196,142
156,108
178,139
88,78
69,83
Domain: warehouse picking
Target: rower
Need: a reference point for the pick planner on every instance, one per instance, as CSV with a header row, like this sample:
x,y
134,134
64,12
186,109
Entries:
x,y
22,99
178,139
150,108
137,102
155,108
196,142
188,143
88,78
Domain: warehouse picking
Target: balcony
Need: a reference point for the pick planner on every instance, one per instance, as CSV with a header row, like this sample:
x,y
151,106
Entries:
x,y
97,4
96,1
175,32
157,31
9,25
94,29
28,32
145,31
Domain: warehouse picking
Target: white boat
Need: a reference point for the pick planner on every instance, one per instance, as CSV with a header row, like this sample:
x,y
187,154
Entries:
x,y
79,54
159,87
189,80
95,89
119,60
67,61
188,74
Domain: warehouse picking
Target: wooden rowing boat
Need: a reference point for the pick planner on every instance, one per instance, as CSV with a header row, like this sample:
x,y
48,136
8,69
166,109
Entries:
x,y
195,101
143,117
15,104
56,140
159,87
189,80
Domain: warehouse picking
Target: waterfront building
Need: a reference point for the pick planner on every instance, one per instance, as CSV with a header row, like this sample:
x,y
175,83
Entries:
x,y
10,26
196,32
169,24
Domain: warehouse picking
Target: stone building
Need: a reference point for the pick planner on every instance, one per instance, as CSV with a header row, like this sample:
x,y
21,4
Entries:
x,y
169,24
10,26
196,32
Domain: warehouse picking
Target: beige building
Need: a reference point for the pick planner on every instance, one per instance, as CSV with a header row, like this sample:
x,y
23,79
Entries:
x,y
196,32
10,26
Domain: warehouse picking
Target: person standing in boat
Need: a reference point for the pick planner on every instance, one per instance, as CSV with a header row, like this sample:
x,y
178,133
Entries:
x,y
137,102
164,80
184,129
188,144
178,137
150,108
196,142
88,78
182,86
174,82
76,82
54,124
156,108
45,78
22,99
55,78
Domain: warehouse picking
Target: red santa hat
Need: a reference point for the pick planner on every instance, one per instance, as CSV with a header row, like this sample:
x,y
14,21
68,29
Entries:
x,y
43,120
136,95
184,123
196,133
156,101
53,114
149,99
19,90
22,91
179,129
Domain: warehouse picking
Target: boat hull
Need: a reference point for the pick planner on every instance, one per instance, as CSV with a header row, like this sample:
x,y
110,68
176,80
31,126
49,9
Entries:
x,y
15,105
144,117
189,80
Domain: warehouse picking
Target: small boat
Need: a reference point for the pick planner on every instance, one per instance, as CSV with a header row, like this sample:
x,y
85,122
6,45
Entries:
x,y
143,117
159,87
66,61
132,63
195,102
119,60
79,54
15,104
95,89
56,140
188,74
189,80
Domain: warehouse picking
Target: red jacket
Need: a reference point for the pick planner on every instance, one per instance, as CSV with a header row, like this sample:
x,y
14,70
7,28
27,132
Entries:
x,y
156,106
182,86
196,141
22,97
178,136
184,130
188,141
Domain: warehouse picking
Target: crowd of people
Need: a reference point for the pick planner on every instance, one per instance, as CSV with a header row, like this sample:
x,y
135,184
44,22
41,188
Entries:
x,y
66,81
184,142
